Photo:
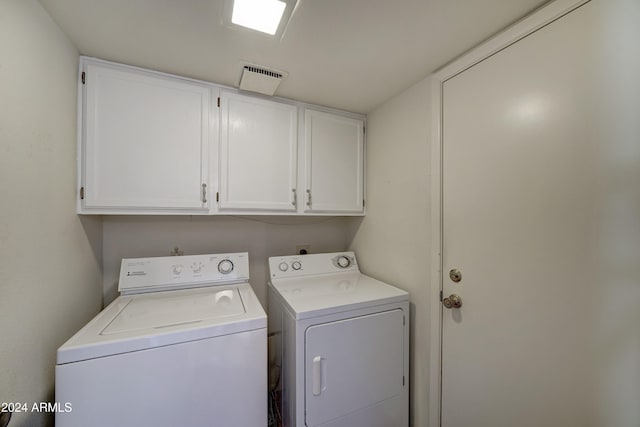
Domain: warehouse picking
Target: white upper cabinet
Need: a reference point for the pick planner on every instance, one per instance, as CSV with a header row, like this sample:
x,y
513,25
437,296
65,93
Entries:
x,y
334,163
258,154
152,143
144,141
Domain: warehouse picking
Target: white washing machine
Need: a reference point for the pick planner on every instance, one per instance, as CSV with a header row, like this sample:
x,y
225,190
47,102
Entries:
x,y
339,349
184,345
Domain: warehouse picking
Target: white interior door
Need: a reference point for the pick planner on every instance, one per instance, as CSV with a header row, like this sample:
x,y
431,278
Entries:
x,y
541,215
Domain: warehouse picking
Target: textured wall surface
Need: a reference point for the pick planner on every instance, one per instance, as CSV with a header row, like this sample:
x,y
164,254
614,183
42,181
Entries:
x,y
262,237
393,241
50,259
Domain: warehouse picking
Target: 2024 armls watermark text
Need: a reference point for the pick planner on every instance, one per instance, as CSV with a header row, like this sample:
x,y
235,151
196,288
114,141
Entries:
x,y
36,407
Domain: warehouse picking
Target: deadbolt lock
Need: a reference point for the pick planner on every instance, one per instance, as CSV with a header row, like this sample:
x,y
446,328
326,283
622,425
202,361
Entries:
x,y
455,275
452,301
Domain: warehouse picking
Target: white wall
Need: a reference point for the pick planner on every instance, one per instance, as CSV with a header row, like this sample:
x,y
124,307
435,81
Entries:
x,y
262,237
393,241
50,274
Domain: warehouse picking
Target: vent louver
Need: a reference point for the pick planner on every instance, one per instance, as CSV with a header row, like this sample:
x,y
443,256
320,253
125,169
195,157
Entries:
x,y
263,71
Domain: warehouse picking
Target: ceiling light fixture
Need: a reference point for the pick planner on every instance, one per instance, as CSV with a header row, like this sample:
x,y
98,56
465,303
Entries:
x,y
260,15
266,16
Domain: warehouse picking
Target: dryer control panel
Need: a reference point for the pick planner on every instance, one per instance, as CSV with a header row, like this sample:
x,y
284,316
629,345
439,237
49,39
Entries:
x,y
139,275
314,264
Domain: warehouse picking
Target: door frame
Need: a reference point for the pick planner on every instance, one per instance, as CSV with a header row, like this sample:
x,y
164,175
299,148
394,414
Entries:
x,y
529,24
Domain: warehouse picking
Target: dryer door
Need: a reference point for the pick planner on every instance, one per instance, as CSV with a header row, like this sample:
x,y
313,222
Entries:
x,y
353,364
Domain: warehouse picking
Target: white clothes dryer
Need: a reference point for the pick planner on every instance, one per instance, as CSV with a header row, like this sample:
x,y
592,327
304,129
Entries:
x,y
339,349
184,345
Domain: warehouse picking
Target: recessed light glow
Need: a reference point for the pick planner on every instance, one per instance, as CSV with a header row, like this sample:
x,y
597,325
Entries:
x,y
261,15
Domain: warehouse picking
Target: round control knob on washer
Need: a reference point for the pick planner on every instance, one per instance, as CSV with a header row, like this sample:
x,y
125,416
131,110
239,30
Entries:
x,y
344,262
283,266
225,266
197,267
296,265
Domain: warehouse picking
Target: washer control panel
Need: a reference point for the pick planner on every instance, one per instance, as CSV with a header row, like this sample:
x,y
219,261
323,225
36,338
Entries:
x,y
160,273
313,264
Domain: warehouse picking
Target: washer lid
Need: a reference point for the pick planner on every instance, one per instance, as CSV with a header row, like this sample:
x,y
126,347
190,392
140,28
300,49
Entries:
x,y
176,308
146,321
313,296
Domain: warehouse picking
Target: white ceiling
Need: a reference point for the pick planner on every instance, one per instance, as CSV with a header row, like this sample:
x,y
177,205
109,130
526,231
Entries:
x,y
347,54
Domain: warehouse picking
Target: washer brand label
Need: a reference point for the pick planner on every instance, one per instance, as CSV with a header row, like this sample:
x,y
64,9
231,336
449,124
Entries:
x,y
136,273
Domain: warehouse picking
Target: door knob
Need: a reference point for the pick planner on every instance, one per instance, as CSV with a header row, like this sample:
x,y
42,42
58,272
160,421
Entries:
x,y
455,275
452,301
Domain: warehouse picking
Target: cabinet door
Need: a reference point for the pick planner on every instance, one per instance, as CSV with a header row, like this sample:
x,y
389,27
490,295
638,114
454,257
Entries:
x,y
257,154
334,163
145,141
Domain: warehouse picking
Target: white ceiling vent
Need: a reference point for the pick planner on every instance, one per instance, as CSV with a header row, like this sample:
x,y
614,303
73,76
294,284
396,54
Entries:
x,y
259,79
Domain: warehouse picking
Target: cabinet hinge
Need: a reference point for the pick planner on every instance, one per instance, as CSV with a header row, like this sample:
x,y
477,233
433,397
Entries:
x,y
83,77
403,320
441,295
217,196
403,380
81,193
363,203
218,101
364,129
